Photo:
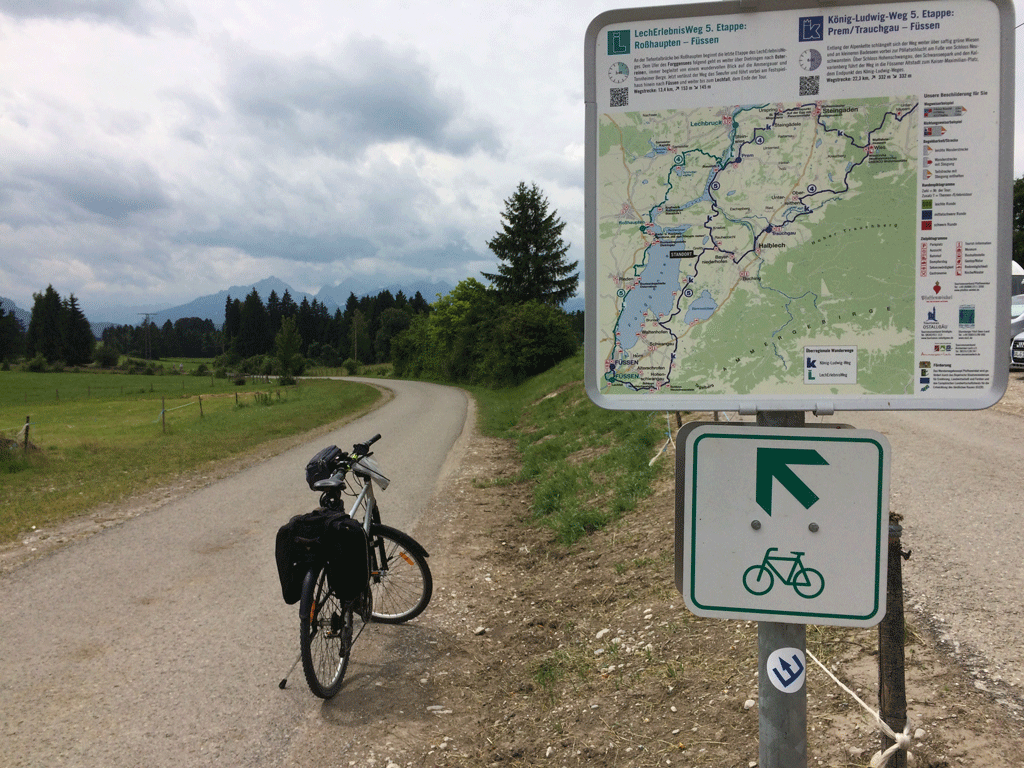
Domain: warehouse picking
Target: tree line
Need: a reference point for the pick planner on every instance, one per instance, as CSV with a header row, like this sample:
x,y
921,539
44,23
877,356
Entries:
x,y
496,334
58,330
362,330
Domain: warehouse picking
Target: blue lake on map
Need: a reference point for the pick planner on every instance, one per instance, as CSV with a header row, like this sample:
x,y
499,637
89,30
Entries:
x,y
701,308
659,280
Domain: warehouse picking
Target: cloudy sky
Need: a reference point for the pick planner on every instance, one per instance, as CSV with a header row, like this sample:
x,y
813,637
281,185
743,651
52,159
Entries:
x,y
158,150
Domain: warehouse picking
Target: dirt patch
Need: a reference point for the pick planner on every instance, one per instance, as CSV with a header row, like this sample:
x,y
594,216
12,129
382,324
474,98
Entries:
x,y
588,657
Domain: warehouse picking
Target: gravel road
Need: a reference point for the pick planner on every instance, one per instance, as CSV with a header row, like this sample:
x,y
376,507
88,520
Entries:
x,y
160,642
957,480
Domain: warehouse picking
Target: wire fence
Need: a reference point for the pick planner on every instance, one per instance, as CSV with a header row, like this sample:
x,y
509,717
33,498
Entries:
x,y
18,437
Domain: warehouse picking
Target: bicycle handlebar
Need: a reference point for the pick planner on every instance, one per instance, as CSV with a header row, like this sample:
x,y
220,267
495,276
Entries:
x,y
363,449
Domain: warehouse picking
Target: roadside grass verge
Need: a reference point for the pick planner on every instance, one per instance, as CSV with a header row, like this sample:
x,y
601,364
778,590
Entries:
x,y
587,465
95,445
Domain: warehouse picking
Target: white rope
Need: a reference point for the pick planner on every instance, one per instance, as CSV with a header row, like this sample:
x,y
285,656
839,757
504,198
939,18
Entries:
x,y
670,441
902,740
168,410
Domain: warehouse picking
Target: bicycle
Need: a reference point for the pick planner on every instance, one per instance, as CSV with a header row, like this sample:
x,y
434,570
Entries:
x,y
399,583
806,582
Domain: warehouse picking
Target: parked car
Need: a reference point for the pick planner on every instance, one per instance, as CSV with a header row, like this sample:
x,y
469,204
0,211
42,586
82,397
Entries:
x,y
1017,342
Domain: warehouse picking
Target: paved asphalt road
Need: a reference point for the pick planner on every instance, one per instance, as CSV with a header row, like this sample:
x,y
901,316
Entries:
x,y
160,642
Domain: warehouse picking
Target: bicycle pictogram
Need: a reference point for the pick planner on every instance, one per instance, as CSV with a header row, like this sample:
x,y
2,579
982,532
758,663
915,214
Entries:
x,y
806,582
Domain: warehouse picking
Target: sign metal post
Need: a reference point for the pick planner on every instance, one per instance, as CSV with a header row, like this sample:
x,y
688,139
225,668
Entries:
x,y
782,713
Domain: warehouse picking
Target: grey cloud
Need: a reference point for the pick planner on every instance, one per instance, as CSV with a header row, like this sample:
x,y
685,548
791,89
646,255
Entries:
x,y
373,94
265,243
141,16
104,188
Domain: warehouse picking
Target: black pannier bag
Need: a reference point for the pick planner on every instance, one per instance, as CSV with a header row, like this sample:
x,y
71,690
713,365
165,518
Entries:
x,y
323,537
298,547
348,557
323,465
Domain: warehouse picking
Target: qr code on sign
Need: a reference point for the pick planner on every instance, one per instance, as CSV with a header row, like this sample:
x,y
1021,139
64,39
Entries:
x,y
809,85
619,97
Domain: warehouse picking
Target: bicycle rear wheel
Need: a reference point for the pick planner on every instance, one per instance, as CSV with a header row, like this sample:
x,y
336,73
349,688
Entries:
x,y
400,577
325,634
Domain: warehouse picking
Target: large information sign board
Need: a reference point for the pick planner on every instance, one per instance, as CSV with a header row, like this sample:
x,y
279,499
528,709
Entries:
x,y
799,208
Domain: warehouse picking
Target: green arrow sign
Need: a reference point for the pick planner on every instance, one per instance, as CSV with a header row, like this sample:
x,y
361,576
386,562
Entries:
x,y
774,463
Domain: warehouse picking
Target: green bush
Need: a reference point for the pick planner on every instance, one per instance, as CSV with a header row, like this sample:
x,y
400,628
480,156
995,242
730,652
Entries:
x,y
106,356
37,364
12,459
525,340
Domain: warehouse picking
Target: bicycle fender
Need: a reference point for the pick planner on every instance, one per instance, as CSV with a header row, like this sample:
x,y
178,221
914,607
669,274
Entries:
x,y
404,539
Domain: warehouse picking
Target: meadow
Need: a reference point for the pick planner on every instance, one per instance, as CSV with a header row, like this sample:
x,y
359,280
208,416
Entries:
x,y
98,437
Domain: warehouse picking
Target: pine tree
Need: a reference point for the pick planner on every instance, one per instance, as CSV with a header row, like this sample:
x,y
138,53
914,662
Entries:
x,y
254,332
288,344
531,252
77,339
44,329
232,319
12,336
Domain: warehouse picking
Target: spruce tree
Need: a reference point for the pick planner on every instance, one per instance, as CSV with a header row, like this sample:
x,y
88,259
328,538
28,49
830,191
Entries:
x,y
12,336
44,329
531,252
254,327
76,333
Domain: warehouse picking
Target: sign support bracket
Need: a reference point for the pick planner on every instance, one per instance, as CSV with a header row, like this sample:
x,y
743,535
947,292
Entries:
x,y
782,715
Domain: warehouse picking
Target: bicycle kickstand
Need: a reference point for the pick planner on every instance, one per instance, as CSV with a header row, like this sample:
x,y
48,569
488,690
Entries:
x,y
284,680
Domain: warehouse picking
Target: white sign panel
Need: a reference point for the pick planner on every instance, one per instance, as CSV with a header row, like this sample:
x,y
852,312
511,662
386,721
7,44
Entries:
x,y
787,525
767,186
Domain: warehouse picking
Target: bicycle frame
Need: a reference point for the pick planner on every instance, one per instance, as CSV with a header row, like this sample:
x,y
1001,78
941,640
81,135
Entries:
x,y
797,567
369,502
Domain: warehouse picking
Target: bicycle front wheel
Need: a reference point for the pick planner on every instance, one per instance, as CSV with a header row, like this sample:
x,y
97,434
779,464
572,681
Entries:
x,y
325,634
399,577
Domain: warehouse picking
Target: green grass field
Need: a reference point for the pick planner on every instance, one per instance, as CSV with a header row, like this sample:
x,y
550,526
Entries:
x,y
101,437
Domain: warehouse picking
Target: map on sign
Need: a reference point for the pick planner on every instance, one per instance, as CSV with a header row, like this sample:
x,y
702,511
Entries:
x,y
790,221
801,208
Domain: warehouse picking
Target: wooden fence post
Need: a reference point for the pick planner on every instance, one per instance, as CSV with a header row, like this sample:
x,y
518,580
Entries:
x,y
26,433
200,406
163,414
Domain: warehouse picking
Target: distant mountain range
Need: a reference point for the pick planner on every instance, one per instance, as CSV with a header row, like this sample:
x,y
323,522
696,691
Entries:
x,y
212,307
